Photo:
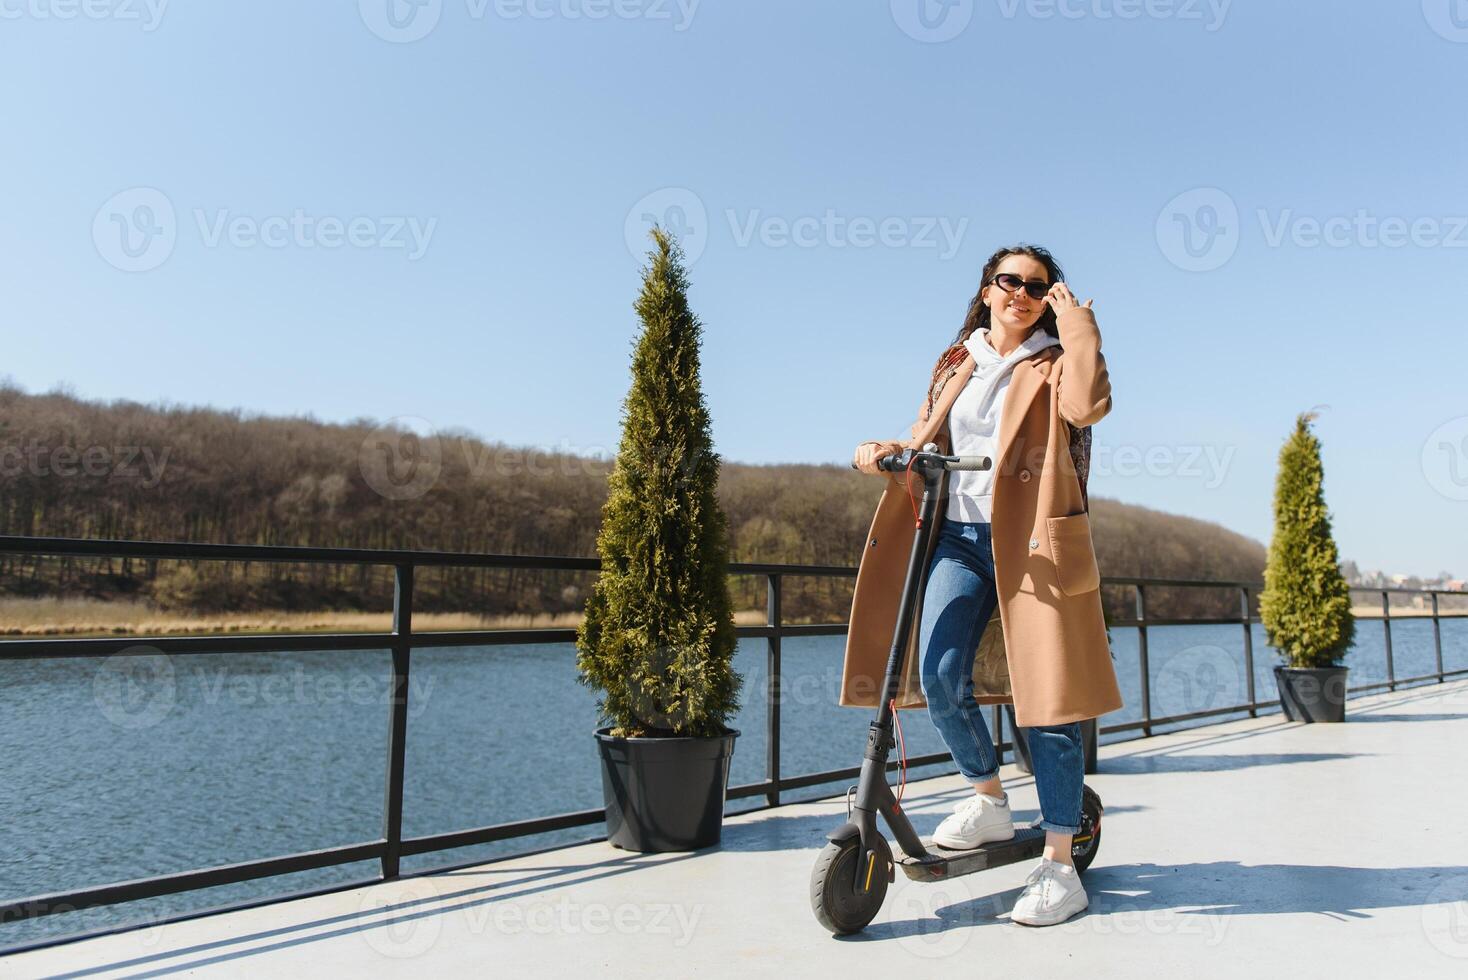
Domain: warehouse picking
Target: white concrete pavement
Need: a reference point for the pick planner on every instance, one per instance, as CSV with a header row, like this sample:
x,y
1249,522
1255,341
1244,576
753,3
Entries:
x,y
1252,848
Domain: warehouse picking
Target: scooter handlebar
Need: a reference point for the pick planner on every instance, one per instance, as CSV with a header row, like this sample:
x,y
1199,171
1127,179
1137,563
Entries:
x,y
899,462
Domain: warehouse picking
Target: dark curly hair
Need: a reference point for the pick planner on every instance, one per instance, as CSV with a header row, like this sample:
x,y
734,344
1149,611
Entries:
x,y
978,313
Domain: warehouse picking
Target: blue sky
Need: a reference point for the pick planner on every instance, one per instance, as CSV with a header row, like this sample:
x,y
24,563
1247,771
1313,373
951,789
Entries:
x,y
347,210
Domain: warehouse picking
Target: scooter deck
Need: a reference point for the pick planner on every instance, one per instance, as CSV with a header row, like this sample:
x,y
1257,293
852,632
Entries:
x,y
941,862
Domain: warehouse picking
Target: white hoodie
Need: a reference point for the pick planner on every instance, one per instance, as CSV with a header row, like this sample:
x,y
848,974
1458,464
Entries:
x,y
973,421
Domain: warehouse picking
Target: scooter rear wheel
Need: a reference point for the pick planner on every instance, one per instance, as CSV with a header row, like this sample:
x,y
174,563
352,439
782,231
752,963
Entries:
x,y
833,896
1087,841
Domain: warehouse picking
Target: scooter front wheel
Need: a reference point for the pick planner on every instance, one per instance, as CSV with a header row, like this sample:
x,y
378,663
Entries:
x,y
836,884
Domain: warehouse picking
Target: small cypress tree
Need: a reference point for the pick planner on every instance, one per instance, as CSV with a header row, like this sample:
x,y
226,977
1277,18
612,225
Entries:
x,y
658,637
1306,603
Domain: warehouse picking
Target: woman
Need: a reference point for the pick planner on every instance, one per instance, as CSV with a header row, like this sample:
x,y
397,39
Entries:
x,y
1009,541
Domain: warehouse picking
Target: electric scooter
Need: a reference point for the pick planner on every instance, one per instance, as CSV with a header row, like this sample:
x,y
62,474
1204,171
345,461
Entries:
x,y
850,877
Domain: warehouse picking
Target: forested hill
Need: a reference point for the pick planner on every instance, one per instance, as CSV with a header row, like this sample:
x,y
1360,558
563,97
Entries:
x,y
74,468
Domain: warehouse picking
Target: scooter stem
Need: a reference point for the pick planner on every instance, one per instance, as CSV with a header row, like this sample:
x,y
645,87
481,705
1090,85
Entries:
x,y
873,794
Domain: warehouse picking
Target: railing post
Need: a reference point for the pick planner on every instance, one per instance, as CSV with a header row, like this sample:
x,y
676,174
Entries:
x,y
1142,659
1386,622
397,739
1249,651
772,698
1437,638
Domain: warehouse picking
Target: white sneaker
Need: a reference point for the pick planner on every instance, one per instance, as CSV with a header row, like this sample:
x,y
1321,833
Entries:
x,y
977,820
1052,894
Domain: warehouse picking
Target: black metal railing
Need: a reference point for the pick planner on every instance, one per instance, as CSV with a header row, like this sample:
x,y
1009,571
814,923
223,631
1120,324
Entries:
x,y
402,639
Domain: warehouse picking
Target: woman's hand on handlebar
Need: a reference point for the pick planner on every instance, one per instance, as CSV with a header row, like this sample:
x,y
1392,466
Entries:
x,y
868,453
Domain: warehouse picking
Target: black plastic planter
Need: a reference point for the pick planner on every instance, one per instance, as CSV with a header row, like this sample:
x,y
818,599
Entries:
x,y
665,794
1312,693
1022,747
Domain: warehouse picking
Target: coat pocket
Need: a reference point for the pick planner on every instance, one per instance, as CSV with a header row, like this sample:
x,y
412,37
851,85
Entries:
x,y
1073,553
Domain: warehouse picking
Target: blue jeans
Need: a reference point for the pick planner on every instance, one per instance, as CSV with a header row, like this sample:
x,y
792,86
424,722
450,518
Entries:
x,y
958,601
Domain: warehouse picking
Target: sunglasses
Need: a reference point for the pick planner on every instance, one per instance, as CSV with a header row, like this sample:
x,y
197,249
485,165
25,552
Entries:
x,y
1035,288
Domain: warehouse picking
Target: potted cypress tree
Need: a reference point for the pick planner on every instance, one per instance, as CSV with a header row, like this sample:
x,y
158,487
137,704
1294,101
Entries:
x,y
1306,603
658,637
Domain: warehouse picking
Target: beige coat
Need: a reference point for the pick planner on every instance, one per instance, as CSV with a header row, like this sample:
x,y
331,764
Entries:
x,y
1045,649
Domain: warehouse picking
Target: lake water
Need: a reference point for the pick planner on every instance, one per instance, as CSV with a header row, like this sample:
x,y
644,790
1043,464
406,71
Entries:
x,y
114,771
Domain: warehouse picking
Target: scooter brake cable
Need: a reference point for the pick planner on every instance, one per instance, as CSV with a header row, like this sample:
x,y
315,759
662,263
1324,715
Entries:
x,y
901,752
